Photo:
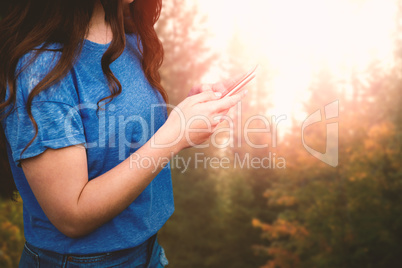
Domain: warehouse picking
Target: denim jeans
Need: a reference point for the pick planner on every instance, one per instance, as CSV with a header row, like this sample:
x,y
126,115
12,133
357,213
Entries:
x,y
147,255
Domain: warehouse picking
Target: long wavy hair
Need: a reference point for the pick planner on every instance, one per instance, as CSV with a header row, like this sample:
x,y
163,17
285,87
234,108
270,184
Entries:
x,y
30,24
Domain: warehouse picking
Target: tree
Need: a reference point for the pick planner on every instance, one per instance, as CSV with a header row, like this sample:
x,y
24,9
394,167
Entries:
x,y
187,59
347,216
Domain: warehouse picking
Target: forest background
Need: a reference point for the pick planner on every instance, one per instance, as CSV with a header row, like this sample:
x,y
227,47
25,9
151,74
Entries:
x,y
303,212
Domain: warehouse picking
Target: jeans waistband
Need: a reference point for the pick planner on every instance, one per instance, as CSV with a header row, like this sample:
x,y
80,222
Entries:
x,y
141,251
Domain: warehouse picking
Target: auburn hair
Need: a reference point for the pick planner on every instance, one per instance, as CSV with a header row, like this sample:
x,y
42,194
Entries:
x,y
31,25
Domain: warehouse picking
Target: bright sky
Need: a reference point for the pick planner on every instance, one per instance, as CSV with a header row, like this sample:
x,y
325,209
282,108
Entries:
x,y
292,38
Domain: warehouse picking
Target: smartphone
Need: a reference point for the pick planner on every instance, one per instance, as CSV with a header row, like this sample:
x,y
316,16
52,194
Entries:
x,y
239,84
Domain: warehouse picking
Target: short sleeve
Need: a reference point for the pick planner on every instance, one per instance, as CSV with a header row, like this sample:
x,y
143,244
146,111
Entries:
x,y
59,125
55,111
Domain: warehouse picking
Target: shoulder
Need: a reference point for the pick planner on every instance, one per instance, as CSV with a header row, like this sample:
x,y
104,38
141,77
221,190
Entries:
x,y
133,42
33,67
132,38
39,60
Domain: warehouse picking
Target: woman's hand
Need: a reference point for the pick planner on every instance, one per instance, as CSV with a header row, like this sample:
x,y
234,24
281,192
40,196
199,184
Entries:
x,y
217,87
196,118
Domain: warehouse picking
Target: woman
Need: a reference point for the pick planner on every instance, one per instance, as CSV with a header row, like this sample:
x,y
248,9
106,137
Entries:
x,y
84,125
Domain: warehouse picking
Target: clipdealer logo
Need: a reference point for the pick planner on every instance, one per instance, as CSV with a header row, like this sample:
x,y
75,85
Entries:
x,y
109,128
330,156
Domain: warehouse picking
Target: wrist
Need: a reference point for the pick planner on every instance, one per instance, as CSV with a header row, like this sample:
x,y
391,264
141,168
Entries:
x,y
165,139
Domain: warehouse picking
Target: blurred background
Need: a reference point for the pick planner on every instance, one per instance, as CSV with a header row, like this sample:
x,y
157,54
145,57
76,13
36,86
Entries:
x,y
298,211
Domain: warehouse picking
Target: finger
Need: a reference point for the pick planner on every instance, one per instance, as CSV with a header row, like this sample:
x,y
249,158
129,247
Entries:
x,y
219,87
217,125
200,88
228,82
226,103
195,90
214,128
204,97
206,87
220,118
225,112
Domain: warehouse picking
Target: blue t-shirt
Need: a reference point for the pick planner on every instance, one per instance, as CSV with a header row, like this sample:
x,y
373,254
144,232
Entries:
x,y
66,114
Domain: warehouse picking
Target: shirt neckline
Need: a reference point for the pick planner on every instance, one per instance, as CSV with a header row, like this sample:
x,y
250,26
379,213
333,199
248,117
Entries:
x,y
93,45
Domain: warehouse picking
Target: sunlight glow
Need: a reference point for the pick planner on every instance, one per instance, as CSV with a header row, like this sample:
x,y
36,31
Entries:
x,y
293,39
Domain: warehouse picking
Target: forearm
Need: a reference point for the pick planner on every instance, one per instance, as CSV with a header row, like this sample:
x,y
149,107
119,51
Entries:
x,y
77,206
108,195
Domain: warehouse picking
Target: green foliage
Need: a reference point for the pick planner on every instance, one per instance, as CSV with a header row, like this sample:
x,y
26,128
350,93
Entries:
x,y
11,233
